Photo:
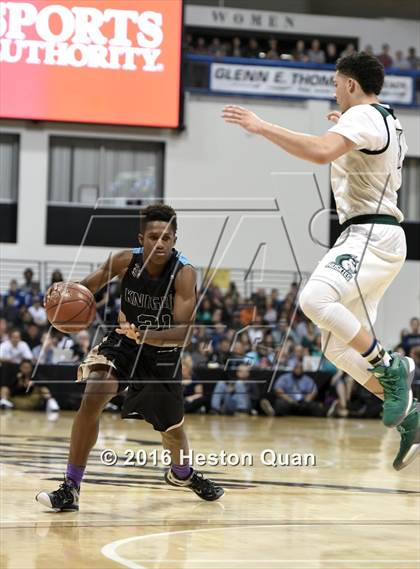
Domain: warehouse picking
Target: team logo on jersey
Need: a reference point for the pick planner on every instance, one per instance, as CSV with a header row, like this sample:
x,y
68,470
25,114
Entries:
x,y
136,272
346,265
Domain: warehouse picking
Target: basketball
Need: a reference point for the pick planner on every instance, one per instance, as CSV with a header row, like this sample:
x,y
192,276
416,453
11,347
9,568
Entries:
x,y
70,307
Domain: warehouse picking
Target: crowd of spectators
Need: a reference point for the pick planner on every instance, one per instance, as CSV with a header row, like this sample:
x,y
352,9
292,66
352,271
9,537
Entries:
x,y
233,334
304,51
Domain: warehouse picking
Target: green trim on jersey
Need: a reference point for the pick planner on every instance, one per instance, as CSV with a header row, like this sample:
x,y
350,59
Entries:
x,y
381,218
385,114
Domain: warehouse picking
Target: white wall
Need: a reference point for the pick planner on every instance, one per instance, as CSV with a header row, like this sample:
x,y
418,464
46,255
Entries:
x,y
212,165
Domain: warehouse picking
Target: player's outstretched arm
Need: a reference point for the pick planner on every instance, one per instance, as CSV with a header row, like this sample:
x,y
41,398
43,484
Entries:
x,y
318,149
115,265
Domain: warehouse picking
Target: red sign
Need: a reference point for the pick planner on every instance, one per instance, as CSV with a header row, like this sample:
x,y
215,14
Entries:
x,y
98,61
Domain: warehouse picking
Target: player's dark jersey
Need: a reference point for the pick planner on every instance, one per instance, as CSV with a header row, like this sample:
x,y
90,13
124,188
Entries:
x,y
147,301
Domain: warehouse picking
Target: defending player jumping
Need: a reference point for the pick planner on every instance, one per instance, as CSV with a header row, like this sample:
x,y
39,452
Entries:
x,y
158,302
366,148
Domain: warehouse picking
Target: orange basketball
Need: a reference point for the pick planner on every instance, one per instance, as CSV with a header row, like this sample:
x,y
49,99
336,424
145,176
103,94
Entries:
x,y
70,307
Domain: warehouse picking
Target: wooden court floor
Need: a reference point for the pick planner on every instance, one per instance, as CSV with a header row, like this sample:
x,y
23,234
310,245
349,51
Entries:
x,y
349,511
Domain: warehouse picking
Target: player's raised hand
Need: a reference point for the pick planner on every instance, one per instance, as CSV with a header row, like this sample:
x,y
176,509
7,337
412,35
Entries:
x,y
243,117
334,116
127,329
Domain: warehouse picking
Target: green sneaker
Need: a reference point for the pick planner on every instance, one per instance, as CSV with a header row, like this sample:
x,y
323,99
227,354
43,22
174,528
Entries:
x,y
410,439
396,381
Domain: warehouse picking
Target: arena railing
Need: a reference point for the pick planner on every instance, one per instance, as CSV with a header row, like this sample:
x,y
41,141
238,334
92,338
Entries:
x,y
240,76
246,281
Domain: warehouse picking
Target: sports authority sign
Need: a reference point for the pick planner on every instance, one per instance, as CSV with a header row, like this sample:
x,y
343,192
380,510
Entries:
x,y
101,61
288,81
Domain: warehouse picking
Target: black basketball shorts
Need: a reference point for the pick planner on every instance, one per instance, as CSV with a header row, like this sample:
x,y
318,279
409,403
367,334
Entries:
x,y
153,376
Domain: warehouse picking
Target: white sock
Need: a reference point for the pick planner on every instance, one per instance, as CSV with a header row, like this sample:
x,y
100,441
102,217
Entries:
x,y
376,355
52,405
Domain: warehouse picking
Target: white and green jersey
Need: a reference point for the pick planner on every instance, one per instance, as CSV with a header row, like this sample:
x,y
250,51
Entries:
x,y
366,179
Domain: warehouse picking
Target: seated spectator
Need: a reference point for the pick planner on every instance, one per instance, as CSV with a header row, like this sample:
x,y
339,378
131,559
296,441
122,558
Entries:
x,y
56,277
252,49
299,53
3,330
204,313
266,350
369,50
274,299
236,354
413,59
194,398
400,62
200,48
101,300
296,356
201,353
260,356
259,300
188,42
32,335
320,362
412,338
252,356
415,354
221,353
37,311
287,308
199,335
294,394
270,314
273,49
43,353
216,333
309,339
246,314
316,54
14,350
243,374
300,328
81,345
350,50
114,301
25,394
237,49
282,331
216,49
384,56
24,317
233,292
217,316
28,276
34,294
228,311
331,53
232,396
343,386
256,330
16,292
63,347
11,310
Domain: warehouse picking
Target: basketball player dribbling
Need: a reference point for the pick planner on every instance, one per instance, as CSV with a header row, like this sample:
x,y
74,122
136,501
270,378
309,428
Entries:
x,y
158,302
366,148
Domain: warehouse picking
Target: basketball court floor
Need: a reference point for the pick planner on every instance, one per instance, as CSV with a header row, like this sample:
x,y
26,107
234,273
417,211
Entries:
x,y
350,511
